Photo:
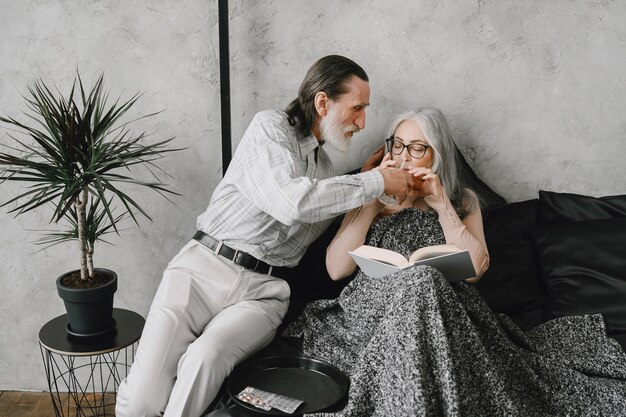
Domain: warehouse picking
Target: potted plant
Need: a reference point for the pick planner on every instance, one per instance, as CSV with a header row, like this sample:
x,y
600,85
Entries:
x,y
74,154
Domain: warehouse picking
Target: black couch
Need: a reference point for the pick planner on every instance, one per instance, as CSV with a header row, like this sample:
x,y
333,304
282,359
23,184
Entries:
x,y
560,254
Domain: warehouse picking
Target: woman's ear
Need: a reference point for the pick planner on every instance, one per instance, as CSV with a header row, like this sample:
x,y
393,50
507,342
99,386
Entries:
x,y
321,101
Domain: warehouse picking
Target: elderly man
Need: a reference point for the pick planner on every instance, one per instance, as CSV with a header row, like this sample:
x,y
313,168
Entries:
x,y
218,301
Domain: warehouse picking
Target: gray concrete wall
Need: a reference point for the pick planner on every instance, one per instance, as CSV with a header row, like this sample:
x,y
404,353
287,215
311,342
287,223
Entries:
x,y
535,93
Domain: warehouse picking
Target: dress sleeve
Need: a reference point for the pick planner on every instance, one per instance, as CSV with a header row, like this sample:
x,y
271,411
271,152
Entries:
x,y
466,234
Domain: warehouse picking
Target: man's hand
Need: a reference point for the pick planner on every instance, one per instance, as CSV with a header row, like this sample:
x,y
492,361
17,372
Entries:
x,y
374,159
399,183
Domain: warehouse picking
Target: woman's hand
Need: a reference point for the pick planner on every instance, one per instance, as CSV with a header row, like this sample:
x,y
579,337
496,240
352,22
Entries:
x,y
430,182
386,162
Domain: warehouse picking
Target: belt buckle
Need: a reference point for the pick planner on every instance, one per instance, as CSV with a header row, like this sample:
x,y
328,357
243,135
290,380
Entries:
x,y
244,261
218,247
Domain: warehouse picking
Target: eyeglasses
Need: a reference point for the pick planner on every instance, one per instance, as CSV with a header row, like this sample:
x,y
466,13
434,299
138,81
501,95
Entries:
x,y
416,150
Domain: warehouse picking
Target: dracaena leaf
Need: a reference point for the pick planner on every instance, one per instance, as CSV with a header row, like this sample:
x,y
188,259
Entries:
x,y
78,142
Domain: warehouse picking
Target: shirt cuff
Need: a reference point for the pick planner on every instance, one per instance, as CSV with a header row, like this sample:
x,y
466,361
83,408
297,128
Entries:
x,y
373,183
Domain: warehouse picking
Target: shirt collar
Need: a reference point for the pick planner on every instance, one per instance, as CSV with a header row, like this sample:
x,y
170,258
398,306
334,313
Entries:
x,y
307,145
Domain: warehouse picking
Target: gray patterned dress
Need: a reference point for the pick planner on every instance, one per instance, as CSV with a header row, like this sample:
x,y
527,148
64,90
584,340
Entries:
x,y
415,345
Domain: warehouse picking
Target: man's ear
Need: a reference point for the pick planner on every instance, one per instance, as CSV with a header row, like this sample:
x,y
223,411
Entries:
x,y
321,101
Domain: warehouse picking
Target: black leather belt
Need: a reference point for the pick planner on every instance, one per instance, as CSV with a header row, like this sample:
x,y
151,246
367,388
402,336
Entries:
x,y
238,257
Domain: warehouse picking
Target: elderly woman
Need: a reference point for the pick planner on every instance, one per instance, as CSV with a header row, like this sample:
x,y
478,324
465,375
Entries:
x,y
414,344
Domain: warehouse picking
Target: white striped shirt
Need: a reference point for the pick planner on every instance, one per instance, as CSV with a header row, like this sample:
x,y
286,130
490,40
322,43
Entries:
x,y
275,198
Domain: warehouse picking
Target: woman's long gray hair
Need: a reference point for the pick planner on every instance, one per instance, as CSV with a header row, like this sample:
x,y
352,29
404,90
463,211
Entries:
x,y
437,131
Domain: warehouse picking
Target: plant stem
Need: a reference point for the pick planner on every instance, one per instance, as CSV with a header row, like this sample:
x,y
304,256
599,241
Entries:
x,y
90,261
81,204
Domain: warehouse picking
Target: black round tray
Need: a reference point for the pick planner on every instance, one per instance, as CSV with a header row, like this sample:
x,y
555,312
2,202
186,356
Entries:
x,y
320,385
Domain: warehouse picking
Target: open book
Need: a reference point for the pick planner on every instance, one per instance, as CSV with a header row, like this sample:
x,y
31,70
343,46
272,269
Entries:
x,y
455,264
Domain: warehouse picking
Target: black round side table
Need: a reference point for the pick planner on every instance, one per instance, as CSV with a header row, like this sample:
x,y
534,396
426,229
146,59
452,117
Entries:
x,y
84,372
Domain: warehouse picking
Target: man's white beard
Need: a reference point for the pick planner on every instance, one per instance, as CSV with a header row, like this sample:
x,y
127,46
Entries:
x,y
334,133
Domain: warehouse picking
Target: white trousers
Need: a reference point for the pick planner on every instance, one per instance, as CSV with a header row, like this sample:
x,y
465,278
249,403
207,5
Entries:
x,y
208,314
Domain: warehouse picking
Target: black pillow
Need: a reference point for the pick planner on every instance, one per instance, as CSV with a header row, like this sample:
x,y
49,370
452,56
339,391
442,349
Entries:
x,y
489,199
584,267
575,207
512,285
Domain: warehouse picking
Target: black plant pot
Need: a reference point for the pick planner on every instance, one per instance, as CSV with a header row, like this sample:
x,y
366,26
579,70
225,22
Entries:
x,y
89,310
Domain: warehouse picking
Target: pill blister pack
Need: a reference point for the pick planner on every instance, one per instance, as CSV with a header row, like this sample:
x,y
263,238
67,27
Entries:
x,y
268,400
